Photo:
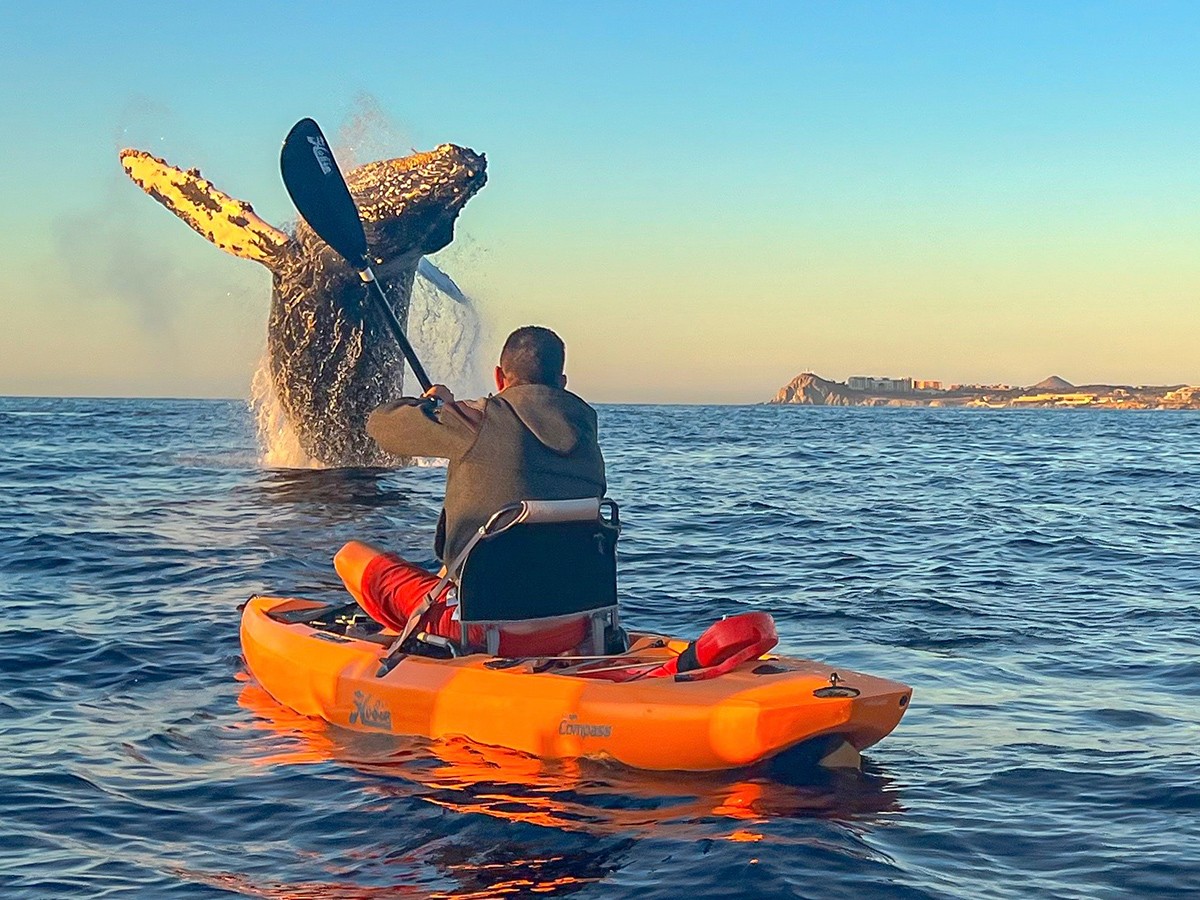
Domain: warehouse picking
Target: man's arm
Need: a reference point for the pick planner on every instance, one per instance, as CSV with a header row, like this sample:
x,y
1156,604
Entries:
x,y
418,427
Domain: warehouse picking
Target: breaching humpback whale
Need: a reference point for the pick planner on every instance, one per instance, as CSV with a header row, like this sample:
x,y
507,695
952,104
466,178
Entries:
x,y
331,362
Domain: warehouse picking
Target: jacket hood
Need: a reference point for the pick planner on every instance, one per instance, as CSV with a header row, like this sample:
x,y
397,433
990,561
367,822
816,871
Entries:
x,y
555,416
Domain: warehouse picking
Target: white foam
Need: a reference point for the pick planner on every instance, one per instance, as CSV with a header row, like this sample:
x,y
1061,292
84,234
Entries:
x,y
277,441
445,329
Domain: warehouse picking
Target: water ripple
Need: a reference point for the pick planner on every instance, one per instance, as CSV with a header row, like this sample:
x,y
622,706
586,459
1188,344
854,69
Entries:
x,y
1034,574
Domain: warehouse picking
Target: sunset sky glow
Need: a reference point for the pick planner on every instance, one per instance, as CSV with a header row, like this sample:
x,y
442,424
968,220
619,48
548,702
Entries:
x,y
704,200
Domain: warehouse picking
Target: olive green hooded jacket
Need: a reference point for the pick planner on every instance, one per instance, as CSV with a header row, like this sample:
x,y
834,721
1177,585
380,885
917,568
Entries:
x,y
528,442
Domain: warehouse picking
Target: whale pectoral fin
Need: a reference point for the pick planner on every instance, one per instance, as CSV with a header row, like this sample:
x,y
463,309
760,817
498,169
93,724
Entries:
x,y
440,280
229,223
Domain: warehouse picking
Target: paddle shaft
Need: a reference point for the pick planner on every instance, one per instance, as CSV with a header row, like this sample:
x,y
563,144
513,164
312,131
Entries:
x,y
315,183
393,325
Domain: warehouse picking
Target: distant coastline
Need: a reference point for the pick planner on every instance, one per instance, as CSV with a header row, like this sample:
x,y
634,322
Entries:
x,y
809,389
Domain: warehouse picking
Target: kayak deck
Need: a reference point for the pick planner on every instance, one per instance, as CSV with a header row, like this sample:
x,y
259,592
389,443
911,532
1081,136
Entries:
x,y
756,711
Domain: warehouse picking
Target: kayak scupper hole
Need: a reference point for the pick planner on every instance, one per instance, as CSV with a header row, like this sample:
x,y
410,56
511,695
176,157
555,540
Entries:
x,y
839,690
503,663
770,669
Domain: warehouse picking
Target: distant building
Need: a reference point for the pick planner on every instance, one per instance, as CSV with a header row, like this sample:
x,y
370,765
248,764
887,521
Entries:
x,y
921,384
880,385
1076,399
980,387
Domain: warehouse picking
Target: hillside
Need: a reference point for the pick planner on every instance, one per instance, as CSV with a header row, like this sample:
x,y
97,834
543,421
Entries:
x,y
1053,383
810,389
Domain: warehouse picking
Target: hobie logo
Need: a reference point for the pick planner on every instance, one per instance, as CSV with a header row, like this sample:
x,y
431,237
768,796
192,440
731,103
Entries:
x,y
370,712
571,725
321,152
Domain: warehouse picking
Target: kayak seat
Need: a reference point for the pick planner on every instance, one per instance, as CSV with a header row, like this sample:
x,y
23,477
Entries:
x,y
542,566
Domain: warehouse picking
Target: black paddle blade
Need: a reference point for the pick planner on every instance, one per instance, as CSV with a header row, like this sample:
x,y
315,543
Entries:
x,y
316,186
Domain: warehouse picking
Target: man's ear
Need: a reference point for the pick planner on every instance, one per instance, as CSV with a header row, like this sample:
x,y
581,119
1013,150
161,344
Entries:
x,y
499,375
562,380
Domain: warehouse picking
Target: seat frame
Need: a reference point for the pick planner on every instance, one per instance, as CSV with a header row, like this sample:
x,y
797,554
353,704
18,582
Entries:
x,y
534,512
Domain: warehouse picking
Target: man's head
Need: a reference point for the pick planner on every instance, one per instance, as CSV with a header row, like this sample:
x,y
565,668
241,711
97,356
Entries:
x,y
532,355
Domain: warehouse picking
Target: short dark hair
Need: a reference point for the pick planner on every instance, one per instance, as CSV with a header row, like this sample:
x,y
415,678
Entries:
x,y
533,355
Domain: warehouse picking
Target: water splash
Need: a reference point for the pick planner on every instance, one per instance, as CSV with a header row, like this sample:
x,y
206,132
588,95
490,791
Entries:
x,y
446,330
368,132
278,444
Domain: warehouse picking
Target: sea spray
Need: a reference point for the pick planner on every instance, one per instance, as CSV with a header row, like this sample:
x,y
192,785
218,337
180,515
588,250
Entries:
x,y
445,329
279,447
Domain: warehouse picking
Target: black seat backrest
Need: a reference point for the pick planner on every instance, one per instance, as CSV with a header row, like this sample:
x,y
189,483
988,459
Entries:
x,y
535,569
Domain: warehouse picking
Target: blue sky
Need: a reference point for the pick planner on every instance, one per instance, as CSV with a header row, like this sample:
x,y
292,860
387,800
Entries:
x,y
703,198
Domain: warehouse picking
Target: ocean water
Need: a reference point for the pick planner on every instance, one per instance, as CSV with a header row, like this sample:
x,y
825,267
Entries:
x,y
1035,575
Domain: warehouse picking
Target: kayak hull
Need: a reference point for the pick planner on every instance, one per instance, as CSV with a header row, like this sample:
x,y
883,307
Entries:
x,y
752,713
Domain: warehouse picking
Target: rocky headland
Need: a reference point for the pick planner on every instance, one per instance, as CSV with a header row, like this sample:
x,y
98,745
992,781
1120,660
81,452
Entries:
x,y
809,389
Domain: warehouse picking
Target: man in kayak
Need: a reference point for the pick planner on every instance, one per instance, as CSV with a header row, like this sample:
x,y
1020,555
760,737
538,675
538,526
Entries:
x,y
532,440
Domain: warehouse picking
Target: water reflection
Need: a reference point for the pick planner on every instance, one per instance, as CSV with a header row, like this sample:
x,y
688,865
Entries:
x,y
509,868
585,796
351,489
306,514
466,870
456,819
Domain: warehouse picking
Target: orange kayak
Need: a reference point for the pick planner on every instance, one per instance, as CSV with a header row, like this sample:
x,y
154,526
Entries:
x,y
546,708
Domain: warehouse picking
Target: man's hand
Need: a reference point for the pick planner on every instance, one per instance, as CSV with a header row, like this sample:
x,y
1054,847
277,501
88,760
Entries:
x,y
443,400
439,393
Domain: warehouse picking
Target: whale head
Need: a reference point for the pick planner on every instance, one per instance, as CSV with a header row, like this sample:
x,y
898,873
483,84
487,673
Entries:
x,y
409,205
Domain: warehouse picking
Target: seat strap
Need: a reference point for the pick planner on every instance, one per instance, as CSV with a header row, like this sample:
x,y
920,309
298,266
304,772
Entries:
x,y
393,654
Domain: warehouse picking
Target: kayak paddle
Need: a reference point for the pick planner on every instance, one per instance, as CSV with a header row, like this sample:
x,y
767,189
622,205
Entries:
x,y
319,192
